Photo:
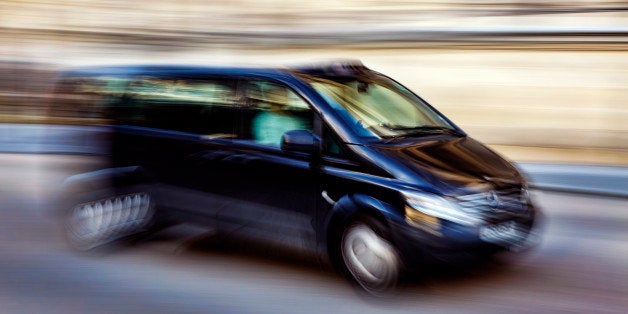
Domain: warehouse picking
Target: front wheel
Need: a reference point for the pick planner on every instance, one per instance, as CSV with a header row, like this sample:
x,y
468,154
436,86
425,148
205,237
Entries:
x,y
369,257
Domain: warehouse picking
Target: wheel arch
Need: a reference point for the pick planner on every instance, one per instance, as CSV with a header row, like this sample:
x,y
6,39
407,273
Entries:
x,y
348,208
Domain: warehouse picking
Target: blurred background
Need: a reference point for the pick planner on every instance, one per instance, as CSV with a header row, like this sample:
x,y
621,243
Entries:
x,y
544,83
536,80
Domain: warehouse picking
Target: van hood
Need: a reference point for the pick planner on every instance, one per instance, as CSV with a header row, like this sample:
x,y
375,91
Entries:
x,y
455,162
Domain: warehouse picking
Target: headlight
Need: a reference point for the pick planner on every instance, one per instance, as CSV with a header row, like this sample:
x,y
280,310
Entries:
x,y
423,221
439,207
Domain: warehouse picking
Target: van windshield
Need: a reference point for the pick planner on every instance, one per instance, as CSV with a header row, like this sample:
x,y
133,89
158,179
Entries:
x,y
379,107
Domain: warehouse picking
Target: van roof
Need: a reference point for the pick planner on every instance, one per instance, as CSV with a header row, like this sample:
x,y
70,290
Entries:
x,y
165,70
340,68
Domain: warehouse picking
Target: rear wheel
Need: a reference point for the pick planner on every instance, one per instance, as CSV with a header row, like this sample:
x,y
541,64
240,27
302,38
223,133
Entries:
x,y
102,217
368,256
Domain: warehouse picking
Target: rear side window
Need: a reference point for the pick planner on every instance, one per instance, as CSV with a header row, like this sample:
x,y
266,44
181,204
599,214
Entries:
x,y
200,106
86,99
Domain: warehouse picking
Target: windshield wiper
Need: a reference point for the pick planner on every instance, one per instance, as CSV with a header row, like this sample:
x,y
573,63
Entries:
x,y
425,129
421,130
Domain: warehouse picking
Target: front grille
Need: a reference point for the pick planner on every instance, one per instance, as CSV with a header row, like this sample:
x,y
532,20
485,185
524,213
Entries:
x,y
506,200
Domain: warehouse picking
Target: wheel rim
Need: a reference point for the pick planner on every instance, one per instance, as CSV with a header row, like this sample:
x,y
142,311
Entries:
x,y
371,259
94,223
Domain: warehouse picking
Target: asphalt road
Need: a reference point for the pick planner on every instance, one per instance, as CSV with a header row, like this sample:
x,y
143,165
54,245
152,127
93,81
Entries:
x,y
581,265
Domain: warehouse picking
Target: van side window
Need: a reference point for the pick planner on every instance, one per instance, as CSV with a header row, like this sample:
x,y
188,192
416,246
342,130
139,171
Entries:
x,y
188,105
332,146
86,100
270,110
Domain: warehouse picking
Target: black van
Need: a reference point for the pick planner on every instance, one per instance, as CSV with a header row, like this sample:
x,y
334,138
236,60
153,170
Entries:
x,y
336,160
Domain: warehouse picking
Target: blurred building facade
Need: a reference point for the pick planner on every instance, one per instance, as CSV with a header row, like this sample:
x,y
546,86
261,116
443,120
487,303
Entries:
x,y
537,80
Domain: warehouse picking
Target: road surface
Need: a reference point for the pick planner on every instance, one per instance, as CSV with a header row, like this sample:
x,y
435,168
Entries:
x,y
581,265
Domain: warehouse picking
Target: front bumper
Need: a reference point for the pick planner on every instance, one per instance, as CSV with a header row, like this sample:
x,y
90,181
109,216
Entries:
x,y
455,243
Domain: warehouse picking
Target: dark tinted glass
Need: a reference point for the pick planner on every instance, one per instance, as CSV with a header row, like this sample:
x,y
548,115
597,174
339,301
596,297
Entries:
x,y
86,100
205,107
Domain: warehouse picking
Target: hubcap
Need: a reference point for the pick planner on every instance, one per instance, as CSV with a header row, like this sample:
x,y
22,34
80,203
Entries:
x,y
94,223
372,260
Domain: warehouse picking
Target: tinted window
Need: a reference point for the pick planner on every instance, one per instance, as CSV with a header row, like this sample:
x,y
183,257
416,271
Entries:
x,y
188,105
87,99
272,109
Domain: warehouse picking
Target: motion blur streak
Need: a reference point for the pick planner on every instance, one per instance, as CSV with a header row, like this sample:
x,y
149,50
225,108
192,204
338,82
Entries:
x,y
515,74
538,81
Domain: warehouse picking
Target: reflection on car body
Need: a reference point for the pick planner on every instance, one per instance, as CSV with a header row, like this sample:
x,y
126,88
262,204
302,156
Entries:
x,y
336,160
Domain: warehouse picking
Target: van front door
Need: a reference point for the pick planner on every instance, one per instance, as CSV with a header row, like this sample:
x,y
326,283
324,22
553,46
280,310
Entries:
x,y
275,191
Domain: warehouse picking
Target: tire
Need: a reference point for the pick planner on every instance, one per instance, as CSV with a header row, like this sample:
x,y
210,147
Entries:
x,y
368,258
98,218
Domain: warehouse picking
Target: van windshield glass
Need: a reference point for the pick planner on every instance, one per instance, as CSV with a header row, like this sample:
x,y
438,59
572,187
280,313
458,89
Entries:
x,y
378,107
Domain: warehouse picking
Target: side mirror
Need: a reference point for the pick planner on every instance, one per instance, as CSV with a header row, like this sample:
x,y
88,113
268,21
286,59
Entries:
x,y
299,141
